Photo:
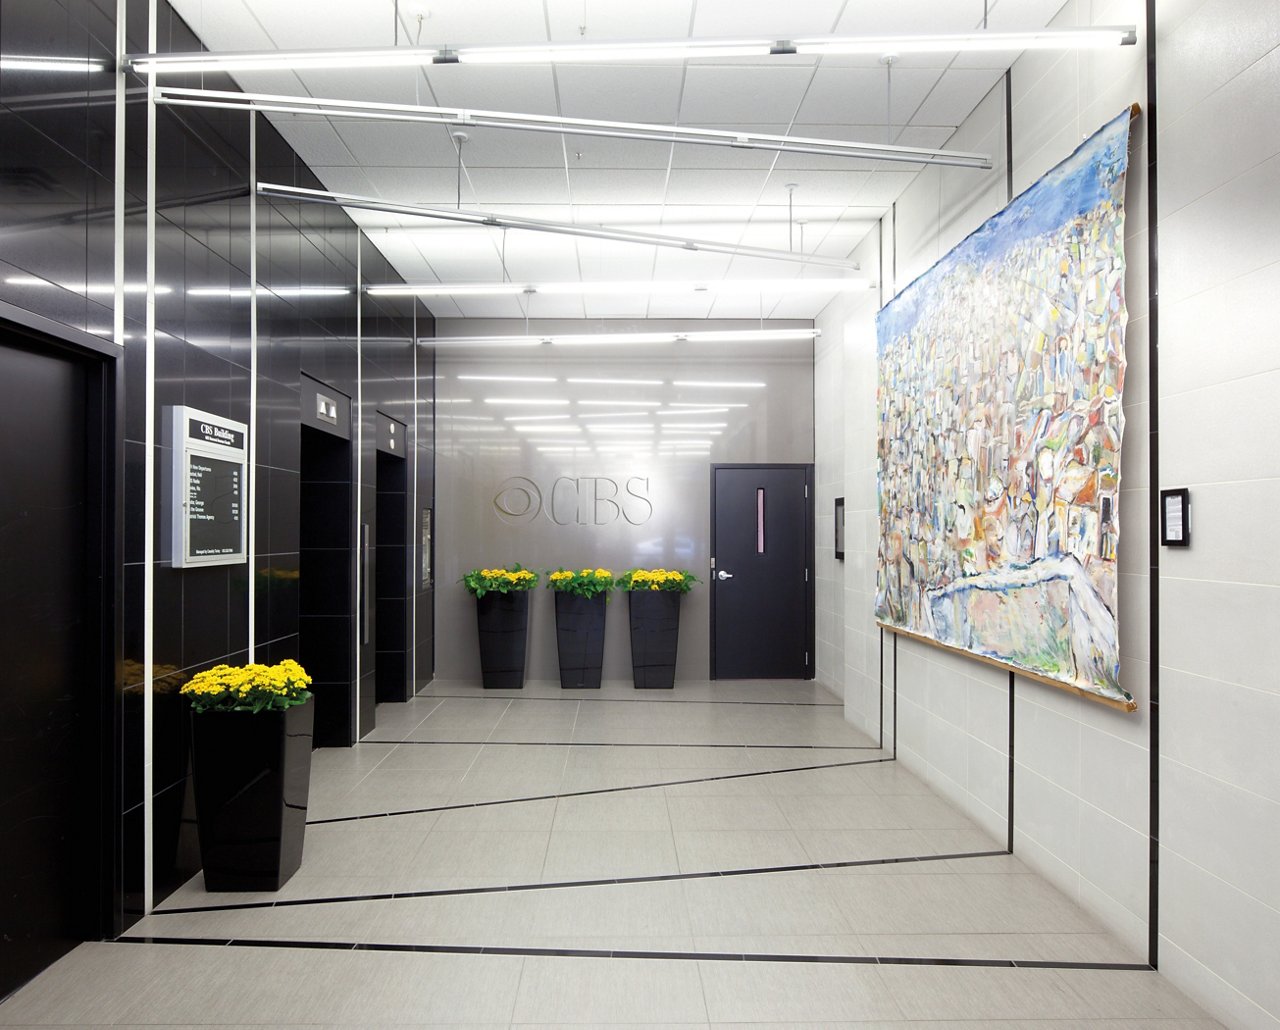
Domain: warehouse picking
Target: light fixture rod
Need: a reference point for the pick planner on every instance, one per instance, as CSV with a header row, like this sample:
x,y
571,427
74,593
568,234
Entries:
x,y
495,221
466,118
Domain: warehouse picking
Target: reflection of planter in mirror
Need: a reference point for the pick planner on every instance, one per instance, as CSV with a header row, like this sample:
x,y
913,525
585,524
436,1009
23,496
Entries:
x,y
503,623
580,639
252,773
655,631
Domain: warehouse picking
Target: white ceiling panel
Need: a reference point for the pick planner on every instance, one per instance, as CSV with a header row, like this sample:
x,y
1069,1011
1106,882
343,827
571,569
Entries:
x,y
436,187
743,93
505,148
315,137
735,19
694,306
956,94
663,19
605,259
449,23
626,186
877,18
626,93
384,144
814,187
620,305
603,152
685,264
715,186
529,89
227,25
345,179
377,85
519,185
857,95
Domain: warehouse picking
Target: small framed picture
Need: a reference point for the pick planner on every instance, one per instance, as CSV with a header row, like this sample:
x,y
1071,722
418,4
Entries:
x,y
839,529
1175,517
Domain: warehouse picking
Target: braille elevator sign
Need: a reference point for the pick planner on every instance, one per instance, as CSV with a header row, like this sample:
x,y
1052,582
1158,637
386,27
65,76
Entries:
x,y
209,489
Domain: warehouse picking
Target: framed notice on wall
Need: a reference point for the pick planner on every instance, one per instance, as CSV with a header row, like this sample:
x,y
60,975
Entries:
x,y
208,489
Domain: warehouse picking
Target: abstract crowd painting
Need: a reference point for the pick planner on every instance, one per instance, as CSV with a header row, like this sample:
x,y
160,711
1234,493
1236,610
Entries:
x,y
1001,375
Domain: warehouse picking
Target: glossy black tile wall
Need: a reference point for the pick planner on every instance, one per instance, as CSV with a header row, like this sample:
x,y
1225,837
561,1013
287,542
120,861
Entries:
x,y
58,220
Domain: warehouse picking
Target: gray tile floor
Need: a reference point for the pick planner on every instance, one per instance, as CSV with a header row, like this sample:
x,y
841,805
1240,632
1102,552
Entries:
x,y
716,856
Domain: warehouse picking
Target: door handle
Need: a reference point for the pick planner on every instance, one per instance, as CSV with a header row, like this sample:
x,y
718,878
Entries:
x,y
722,575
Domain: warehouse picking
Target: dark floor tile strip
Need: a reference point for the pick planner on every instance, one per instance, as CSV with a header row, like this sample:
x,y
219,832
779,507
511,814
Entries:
x,y
635,700
453,892
686,956
606,743
586,793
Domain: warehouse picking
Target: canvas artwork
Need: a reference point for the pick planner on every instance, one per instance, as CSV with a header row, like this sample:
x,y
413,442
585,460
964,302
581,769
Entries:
x,y
1001,379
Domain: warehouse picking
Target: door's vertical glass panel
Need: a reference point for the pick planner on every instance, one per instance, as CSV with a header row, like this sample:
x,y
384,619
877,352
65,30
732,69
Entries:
x,y
760,520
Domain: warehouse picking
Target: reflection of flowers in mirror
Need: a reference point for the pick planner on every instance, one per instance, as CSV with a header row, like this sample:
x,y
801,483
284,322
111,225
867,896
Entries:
x,y
249,688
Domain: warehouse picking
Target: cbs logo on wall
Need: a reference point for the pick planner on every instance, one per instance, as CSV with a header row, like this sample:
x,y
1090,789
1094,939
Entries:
x,y
574,501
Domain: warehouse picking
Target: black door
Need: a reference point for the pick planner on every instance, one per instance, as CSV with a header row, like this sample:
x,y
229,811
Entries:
x,y
51,643
762,598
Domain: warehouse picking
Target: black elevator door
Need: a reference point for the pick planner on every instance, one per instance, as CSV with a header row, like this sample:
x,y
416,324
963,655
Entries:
x,y
48,770
760,588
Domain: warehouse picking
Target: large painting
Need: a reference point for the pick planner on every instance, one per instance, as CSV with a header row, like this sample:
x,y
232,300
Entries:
x,y
1001,379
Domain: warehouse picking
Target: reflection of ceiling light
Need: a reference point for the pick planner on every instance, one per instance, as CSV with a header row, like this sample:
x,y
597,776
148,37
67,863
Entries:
x,y
687,411
28,63
611,414
244,292
721,382
536,418
448,400
716,287
703,404
648,50
618,382
622,404
694,336
522,400
491,220
684,427
547,429
509,379
87,289
564,450
628,428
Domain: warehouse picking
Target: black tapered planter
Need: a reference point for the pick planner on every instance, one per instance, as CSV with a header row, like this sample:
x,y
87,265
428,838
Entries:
x,y
503,620
580,640
252,773
655,631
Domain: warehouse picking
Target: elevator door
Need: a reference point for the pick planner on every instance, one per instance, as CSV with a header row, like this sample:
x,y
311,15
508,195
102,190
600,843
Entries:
x,y
49,776
762,597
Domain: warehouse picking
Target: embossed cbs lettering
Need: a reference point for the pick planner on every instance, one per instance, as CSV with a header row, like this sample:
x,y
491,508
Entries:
x,y
575,501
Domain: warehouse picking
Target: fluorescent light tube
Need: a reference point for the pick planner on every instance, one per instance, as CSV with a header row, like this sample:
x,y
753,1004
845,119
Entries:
x,y
662,50
85,289
524,400
244,292
696,411
618,382
991,42
698,382
622,404
509,379
693,336
656,287
31,63
496,221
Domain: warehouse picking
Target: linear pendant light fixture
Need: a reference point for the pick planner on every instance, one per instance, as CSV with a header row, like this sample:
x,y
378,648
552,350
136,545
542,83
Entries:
x,y
620,288
572,339
488,219
466,118
648,50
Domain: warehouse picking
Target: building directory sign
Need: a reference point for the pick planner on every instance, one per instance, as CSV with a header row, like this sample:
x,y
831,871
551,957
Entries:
x,y
209,489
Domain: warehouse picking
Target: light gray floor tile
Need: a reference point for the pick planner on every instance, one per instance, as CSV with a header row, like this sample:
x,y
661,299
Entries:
x,y
865,845
842,812
617,912
431,756
941,992
564,991
520,815
747,991
630,810
1131,995
514,854
726,813
594,854
701,850
764,905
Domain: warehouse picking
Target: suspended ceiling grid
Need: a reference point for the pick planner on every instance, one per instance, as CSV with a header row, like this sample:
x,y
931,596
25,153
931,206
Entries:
x,y
727,195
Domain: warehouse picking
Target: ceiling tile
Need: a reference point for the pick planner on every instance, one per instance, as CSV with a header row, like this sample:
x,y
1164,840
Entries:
x,y
386,144
741,93
814,187
715,186
663,19
857,95
738,19
528,89
476,21
956,94
603,152
625,93
590,185
876,18
519,185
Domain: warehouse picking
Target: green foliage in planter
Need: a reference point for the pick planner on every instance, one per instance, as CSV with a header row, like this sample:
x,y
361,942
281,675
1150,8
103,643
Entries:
x,y
248,688
503,581
587,583
680,581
